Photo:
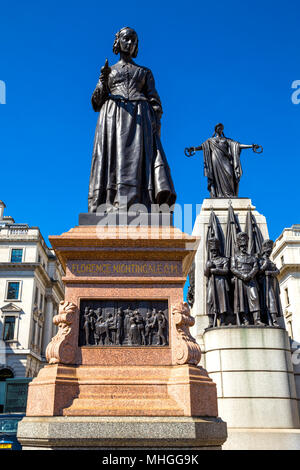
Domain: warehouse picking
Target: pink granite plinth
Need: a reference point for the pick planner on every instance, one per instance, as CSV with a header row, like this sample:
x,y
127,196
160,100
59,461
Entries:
x,y
123,263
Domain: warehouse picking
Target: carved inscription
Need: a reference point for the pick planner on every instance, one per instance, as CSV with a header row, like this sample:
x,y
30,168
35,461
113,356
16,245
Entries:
x,y
125,268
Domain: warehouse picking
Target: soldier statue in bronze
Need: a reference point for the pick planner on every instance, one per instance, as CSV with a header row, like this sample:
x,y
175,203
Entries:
x,y
129,165
222,165
269,286
246,297
217,293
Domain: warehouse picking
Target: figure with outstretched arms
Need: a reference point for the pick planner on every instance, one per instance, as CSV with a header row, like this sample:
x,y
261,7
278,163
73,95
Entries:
x,y
222,165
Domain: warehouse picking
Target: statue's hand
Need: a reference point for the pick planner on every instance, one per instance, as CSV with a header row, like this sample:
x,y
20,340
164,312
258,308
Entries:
x,y
189,151
105,71
257,148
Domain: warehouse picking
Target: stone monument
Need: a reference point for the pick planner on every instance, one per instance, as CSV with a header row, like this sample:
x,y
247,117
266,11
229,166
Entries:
x,y
123,367
234,295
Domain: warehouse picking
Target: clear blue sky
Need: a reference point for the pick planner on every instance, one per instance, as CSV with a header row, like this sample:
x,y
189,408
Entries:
x,y
221,61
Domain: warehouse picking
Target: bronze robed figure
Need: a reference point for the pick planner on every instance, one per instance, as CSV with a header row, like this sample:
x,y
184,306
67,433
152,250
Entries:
x,y
269,286
222,164
129,165
217,293
244,267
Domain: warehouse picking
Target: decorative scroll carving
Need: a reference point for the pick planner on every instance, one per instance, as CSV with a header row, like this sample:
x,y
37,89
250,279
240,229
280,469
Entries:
x,y
186,349
62,348
123,323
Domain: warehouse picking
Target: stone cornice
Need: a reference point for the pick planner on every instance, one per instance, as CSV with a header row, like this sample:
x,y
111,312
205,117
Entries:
x,y
134,243
282,243
31,267
288,269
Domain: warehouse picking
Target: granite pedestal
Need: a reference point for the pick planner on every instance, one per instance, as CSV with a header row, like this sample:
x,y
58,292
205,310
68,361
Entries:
x,y
86,393
253,370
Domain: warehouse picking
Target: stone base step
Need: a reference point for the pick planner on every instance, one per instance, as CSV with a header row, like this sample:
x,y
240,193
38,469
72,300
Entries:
x,y
123,407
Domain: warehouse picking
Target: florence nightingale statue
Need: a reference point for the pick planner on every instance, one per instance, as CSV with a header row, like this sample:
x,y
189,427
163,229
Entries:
x,y
129,165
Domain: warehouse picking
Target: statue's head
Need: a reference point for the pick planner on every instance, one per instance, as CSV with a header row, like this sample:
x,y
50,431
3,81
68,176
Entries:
x,y
267,247
214,247
126,40
219,129
242,240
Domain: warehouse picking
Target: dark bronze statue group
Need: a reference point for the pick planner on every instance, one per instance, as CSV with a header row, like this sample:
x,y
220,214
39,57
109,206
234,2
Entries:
x,y
129,167
123,327
242,290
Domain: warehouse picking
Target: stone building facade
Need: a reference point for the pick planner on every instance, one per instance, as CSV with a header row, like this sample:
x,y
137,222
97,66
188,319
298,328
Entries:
x,y
286,256
30,292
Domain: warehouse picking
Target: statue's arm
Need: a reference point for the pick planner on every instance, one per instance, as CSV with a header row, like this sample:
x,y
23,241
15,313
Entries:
x,y
222,271
152,95
273,272
246,146
253,271
99,96
235,271
256,148
197,148
207,271
263,266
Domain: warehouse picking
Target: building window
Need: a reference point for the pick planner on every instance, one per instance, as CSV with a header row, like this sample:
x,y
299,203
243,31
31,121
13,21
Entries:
x,y
290,329
13,291
16,255
41,301
36,296
9,328
282,260
287,298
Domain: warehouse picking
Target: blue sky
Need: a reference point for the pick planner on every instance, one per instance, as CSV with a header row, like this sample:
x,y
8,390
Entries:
x,y
223,61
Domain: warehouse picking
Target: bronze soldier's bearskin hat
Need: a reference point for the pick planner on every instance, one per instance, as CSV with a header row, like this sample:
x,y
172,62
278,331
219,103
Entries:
x,y
242,236
213,244
267,244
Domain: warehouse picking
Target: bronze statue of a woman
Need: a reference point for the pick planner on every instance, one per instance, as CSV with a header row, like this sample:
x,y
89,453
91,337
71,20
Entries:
x,y
222,165
129,165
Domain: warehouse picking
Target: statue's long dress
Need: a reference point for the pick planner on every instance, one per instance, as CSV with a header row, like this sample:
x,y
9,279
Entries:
x,y
128,158
222,166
